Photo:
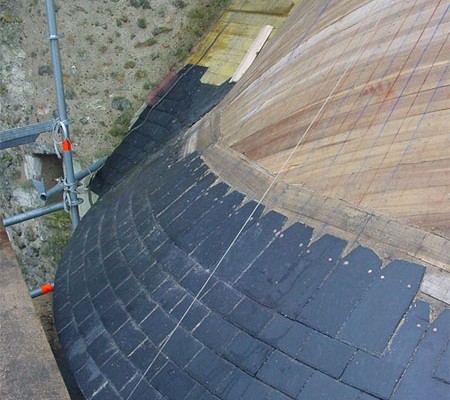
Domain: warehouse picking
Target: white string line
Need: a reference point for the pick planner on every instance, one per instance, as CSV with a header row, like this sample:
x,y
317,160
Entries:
x,y
274,180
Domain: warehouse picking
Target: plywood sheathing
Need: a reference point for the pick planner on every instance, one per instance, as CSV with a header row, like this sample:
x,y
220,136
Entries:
x,y
228,42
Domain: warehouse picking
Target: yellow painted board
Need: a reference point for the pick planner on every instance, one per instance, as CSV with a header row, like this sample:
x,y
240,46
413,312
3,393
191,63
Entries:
x,y
270,7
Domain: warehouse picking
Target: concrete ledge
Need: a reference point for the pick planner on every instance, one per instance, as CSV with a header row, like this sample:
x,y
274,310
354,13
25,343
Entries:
x,y
27,367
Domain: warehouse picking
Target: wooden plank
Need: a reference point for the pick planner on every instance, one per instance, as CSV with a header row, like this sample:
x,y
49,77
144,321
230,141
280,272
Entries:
x,y
252,52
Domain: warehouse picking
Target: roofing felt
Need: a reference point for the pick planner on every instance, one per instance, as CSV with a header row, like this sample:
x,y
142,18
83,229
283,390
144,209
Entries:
x,y
280,318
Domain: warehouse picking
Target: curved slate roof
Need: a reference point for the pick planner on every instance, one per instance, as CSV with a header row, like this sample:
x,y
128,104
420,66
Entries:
x,y
280,318
151,302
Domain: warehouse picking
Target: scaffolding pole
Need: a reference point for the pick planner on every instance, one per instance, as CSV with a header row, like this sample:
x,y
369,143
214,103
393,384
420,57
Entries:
x,y
63,124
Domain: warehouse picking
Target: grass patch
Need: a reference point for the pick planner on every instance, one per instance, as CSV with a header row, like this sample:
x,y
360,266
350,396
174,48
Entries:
x,y
146,43
121,124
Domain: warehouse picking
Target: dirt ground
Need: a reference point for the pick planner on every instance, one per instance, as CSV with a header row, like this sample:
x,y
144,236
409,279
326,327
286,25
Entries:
x,y
113,52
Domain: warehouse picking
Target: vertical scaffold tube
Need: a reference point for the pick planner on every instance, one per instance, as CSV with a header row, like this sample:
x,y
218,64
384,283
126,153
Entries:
x,y
69,174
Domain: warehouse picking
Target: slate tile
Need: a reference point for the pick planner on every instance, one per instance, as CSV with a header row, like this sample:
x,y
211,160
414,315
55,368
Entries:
x,y
117,275
95,285
321,386
64,316
194,212
187,199
82,309
215,332
172,382
129,388
173,175
90,328
182,347
418,382
141,263
140,307
153,278
189,239
198,281
285,334
160,252
131,246
118,370
272,273
209,370
221,298
374,320
250,245
113,317
155,365
169,294
143,355
90,378
247,352
103,300
234,385
114,260
77,353
157,325
144,391
154,239
102,348
365,396
257,390
175,188
343,289
325,354
68,335
199,392
196,312
78,288
107,392
250,316
284,373
128,290
379,375
442,371
176,262
315,264
128,337
211,250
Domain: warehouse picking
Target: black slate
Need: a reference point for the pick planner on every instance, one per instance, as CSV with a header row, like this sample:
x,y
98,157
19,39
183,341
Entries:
x,y
271,275
285,374
330,307
279,319
249,246
379,375
321,386
374,320
418,382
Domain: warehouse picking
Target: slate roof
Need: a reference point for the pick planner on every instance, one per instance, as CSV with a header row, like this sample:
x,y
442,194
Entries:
x,y
281,318
174,108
